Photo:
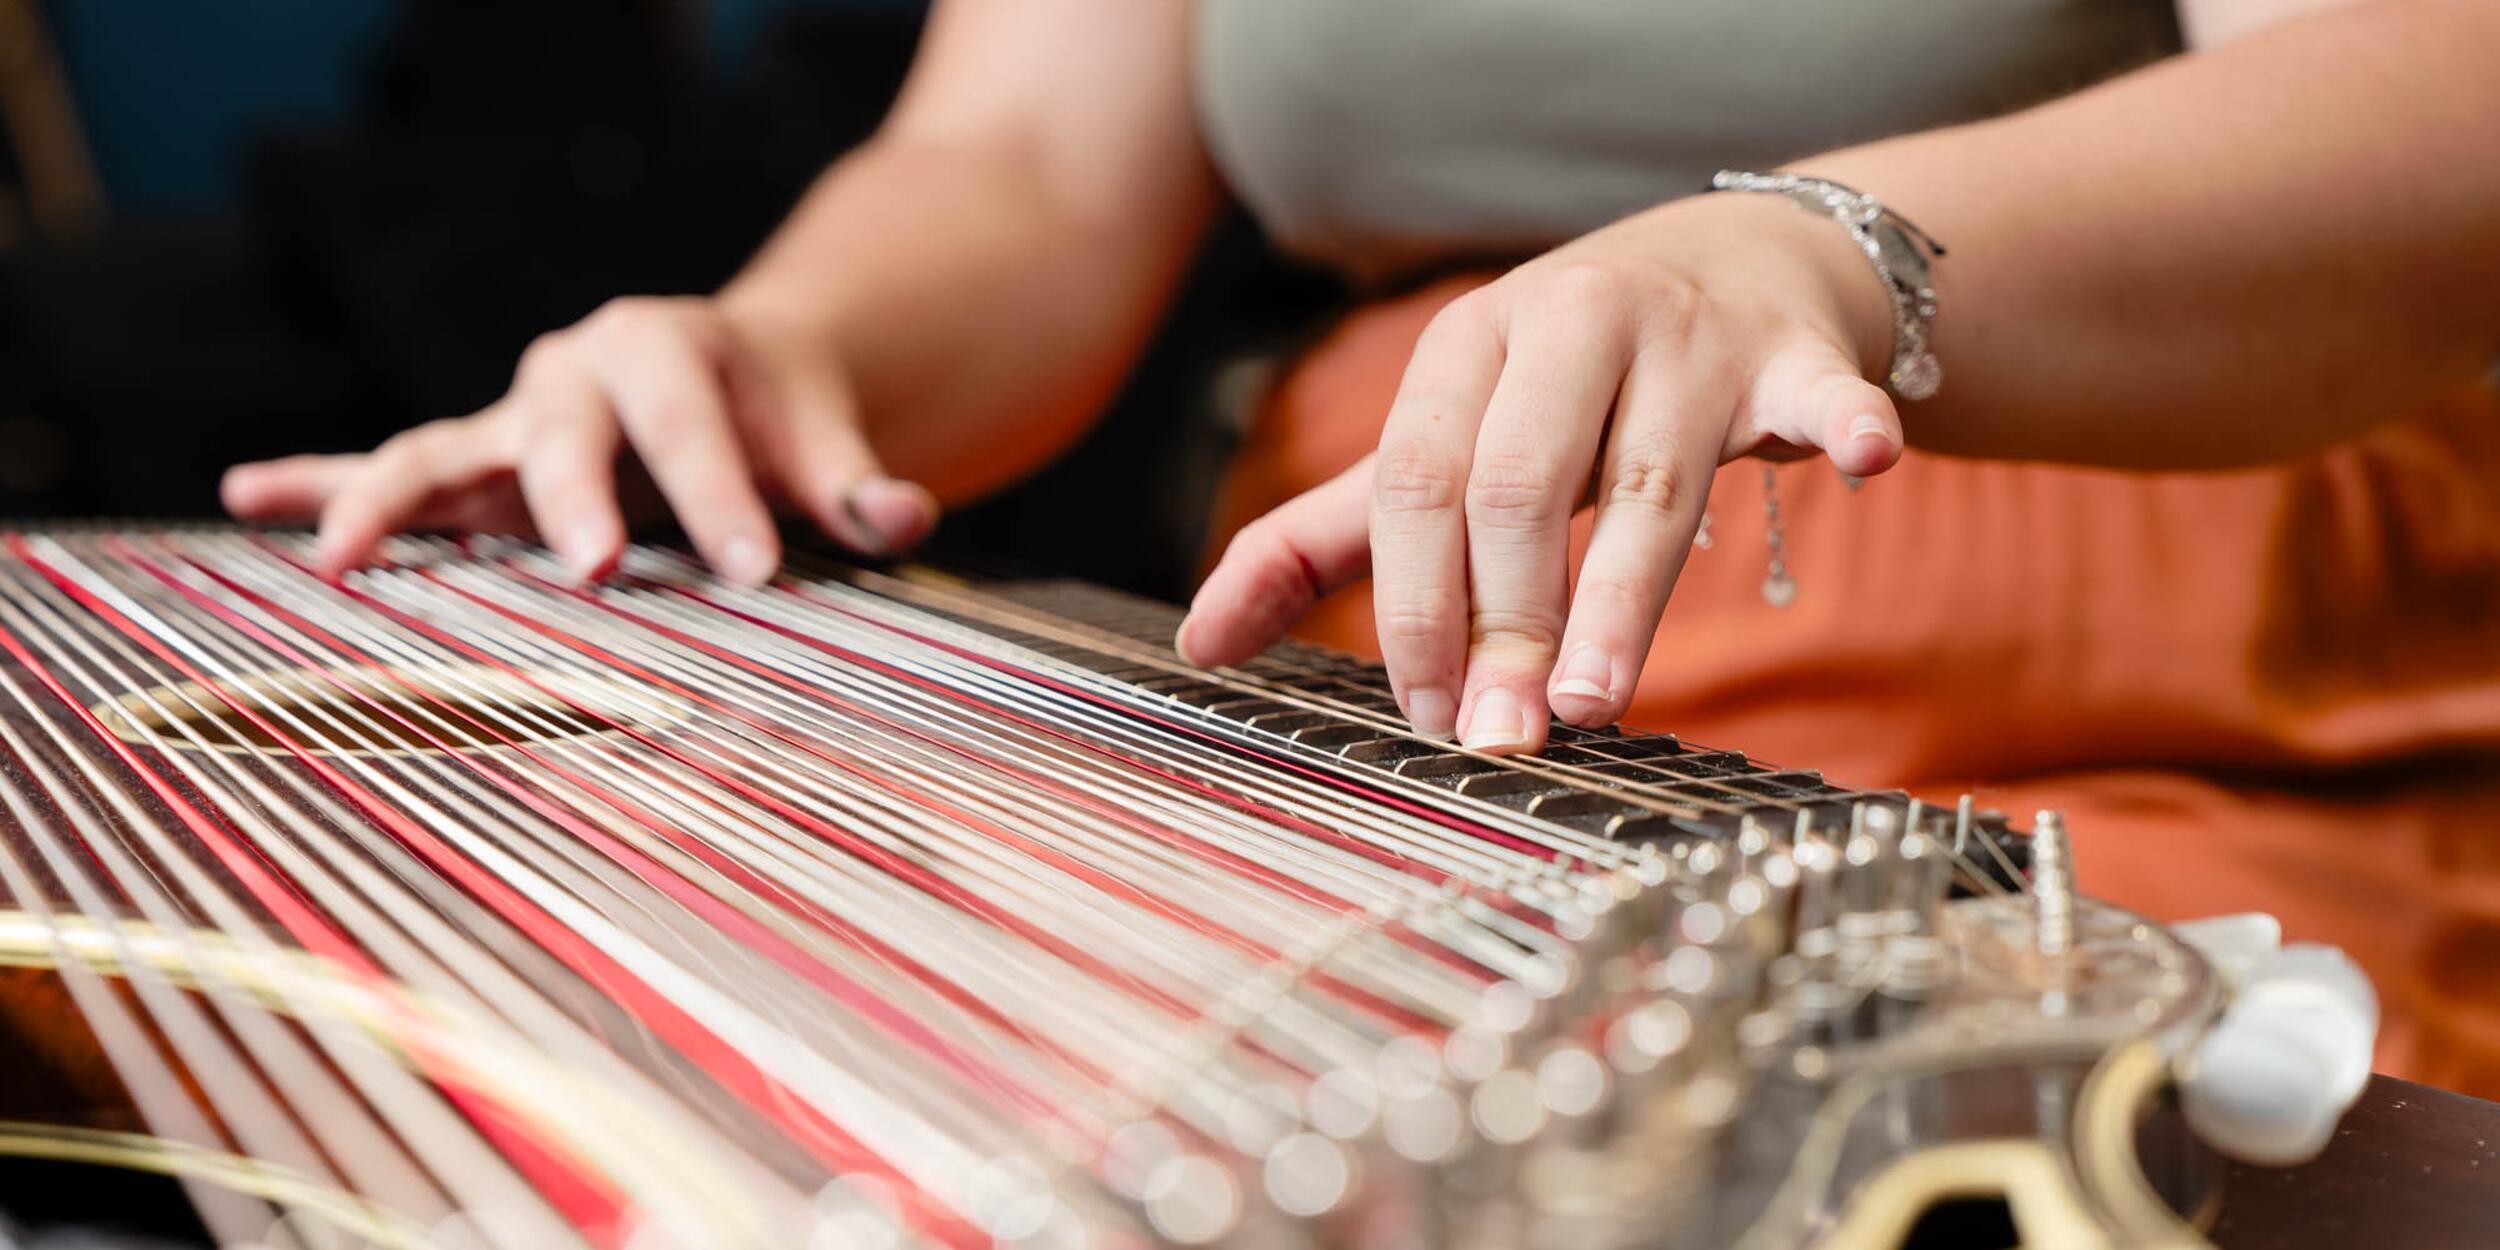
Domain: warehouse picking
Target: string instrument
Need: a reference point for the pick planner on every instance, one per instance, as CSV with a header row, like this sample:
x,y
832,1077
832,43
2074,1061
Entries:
x,y
454,904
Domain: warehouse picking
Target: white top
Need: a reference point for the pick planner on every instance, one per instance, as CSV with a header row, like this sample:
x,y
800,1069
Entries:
x,y
1388,135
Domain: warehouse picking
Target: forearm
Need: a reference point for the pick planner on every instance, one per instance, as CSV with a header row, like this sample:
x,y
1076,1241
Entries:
x,y
971,308
2228,257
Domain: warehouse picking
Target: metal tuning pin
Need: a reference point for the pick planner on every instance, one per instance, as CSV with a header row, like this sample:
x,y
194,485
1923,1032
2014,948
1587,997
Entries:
x,y
1872,855
2053,911
1920,879
1818,872
1758,898
1915,958
1754,843
2052,885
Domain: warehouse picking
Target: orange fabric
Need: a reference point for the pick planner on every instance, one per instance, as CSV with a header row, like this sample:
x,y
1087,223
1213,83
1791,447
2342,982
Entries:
x,y
2274,689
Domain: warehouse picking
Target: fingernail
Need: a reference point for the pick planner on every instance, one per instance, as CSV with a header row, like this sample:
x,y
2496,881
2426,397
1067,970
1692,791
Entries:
x,y
330,554
582,555
1180,638
743,560
1432,712
891,513
1588,674
1495,722
1868,423
872,541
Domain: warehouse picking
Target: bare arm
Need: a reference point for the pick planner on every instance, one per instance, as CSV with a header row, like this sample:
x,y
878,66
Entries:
x,y
2237,255
2230,257
990,263
951,304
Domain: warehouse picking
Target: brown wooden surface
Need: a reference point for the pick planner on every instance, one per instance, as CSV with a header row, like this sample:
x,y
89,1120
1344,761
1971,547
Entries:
x,y
2412,1168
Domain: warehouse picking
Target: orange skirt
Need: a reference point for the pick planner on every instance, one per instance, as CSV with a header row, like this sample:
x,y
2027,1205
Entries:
x,y
2272,690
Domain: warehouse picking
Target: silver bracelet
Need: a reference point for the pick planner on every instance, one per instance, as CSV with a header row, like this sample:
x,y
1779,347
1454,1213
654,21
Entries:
x,y
1899,251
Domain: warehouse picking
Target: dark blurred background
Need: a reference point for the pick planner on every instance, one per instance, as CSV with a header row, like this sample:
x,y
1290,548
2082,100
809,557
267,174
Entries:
x,y
231,229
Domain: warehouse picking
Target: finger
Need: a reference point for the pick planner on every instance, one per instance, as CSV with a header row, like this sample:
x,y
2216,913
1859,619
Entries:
x,y
899,513
1811,394
1532,461
488,507
568,472
668,396
1650,493
386,493
1418,525
1277,567
810,435
292,489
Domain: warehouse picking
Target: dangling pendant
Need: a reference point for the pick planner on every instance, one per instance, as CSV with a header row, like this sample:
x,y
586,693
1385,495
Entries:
x,y
1778,588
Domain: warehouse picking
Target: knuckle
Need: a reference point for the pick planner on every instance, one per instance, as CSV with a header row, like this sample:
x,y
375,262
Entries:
x,y
638,317
700,326
1645,480
540,425
1414,477
401,452
1672,311
1467,316
617,317
629,309
1505,633
1410,625
678,419
1587,287
546,354
1510,488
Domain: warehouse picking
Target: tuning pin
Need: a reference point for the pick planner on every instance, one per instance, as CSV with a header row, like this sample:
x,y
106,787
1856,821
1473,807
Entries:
x,y
1758,902
1914,956
1874,832
1818,868
2052,885
1919,887
1754,841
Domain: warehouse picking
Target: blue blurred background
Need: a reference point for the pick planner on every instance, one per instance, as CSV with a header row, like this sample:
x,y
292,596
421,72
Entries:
x,y
172,92
237,229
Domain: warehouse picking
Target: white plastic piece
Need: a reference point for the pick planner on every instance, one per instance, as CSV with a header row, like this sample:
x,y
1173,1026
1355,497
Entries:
x,y
2268,1084
2235,943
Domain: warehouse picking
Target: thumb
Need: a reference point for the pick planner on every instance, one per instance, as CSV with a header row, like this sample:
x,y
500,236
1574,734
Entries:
x,y
833,476
1816,397
1277,567
806,435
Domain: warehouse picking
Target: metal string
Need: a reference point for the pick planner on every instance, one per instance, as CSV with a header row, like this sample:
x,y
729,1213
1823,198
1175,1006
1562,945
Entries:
x,y
955,915
347,904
